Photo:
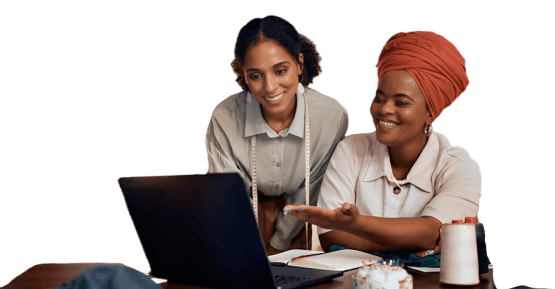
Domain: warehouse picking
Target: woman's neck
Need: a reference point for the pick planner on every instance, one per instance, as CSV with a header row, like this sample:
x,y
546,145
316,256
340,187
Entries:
x,y
279,122
403,157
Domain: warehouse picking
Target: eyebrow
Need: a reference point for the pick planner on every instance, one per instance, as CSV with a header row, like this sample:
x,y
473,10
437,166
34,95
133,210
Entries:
x,y
275,65
395,95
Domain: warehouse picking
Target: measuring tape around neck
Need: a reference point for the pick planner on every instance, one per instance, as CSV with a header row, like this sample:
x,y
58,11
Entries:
x,y
307,169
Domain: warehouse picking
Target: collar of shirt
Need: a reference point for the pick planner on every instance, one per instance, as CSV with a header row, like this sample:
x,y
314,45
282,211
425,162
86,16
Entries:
x,y
420,173
255,123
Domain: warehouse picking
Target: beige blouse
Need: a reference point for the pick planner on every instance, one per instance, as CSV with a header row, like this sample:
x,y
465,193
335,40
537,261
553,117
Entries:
x,y
444,182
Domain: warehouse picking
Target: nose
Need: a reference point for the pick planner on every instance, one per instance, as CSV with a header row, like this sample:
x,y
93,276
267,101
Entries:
x,y
270,85
388,107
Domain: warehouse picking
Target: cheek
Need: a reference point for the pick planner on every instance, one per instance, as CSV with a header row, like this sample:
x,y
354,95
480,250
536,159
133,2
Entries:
x,y
413,118
292,79
254,87
422,114
373,110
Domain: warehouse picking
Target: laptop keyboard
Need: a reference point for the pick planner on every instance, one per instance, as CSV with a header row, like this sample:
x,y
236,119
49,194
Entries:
x,y
284,279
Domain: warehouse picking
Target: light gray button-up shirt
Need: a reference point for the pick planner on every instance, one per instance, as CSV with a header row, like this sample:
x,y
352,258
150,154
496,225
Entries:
x,y
280,157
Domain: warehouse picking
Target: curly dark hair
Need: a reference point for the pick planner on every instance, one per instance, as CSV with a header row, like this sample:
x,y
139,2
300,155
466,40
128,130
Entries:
x,y
281,31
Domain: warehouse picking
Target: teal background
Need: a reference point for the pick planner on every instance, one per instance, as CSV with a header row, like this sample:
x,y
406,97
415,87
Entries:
x,y
94,91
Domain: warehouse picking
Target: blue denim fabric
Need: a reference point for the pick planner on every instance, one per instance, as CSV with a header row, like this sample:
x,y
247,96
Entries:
x,y
110,277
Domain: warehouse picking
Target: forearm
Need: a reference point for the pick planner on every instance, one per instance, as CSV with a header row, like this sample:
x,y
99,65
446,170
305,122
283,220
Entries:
x,y
419,233
344,239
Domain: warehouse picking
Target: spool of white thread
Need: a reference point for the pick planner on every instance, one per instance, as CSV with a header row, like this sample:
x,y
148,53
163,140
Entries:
x,y
459,255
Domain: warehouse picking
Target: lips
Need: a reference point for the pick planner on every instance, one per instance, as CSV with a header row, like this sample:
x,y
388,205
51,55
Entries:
x,y
276,98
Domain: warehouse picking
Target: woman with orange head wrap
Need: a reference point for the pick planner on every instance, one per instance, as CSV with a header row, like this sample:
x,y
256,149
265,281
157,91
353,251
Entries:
x,y
392,189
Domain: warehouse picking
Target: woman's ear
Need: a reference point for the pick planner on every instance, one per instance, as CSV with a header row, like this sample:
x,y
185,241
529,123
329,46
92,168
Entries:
x,y
428,125
238,69
300,65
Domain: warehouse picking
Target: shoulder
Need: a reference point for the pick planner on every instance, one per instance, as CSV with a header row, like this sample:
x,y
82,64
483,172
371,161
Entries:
x,y
454,159
360,139
228,118
358,144
230,107
454,153
323,104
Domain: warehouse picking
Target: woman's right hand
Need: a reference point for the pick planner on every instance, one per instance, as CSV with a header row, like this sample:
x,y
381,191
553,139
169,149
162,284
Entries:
x,y
436,249
325,218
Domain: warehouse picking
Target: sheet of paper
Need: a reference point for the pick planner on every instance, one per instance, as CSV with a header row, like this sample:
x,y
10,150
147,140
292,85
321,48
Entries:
x,y
338,260
286,256
433,269
425,269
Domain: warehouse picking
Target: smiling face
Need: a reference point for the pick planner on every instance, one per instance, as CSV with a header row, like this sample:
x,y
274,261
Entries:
x,y
272,75
399,110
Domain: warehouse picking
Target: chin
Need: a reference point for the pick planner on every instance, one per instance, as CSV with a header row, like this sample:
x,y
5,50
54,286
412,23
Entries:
x,y
384,139
381,138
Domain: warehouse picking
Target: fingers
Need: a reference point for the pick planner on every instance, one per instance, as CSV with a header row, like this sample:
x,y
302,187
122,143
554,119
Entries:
x,y
422,254
347,209
325,218
437,248
294,210
314,215
434,251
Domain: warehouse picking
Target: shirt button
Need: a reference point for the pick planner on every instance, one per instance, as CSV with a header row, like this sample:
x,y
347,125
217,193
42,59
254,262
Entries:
x,y
278,165
396,190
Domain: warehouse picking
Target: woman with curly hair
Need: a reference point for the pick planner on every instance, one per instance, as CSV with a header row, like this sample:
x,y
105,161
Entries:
x,y
394,188
277,133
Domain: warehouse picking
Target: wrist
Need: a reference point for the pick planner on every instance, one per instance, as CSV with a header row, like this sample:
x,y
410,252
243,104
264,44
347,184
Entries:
x,y
354,225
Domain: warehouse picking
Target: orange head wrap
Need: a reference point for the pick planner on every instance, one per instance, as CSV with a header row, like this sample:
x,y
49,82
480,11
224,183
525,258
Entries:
x,y
433,61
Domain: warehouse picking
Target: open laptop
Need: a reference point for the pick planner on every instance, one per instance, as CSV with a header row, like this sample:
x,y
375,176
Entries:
x,y
200,230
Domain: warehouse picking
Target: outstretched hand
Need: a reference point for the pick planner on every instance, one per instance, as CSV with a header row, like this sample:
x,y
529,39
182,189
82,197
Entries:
x,y
325,218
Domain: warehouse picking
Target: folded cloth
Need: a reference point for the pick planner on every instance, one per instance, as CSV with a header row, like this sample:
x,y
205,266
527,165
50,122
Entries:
x,y
428,261
110,277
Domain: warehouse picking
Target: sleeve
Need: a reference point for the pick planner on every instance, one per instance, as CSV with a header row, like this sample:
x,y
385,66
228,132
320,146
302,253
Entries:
x,y
288,227
458,193
339,182
218,147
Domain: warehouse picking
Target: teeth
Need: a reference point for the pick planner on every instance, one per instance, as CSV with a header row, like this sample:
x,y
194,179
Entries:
x,y
275,98
387,123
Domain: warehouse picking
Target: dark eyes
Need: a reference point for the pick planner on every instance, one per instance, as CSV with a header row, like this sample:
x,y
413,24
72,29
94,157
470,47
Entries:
x,y
378,99
257,76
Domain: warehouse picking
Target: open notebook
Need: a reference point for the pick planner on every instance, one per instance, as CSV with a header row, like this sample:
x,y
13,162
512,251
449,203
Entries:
x,y
342,260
